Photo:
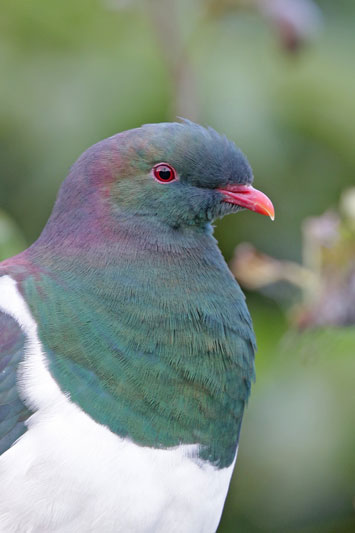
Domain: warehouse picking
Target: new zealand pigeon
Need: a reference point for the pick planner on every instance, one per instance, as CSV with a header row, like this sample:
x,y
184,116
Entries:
x,y
126,347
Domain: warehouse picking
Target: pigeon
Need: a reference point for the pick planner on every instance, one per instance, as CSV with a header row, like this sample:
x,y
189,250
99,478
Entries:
x,y
126,346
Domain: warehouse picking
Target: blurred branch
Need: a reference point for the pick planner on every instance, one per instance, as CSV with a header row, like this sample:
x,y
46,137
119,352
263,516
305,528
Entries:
x,y
327,277
175,49
255,270
295,21
164,15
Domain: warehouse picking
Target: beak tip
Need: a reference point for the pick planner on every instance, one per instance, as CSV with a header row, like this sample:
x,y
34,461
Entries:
x,y
248,197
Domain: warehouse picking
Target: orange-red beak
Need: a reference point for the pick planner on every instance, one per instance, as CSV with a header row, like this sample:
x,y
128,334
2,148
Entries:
x,y
248,197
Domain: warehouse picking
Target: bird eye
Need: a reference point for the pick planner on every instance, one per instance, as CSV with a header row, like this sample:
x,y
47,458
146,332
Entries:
x,y
164,173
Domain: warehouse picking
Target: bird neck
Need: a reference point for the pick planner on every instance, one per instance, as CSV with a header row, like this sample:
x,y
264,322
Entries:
x,y
158,340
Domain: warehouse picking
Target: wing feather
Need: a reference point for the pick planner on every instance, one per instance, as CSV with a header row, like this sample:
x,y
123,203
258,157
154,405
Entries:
x,y
13,412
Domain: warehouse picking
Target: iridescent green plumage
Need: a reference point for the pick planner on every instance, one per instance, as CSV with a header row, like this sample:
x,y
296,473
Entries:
x,y
142,323
13,412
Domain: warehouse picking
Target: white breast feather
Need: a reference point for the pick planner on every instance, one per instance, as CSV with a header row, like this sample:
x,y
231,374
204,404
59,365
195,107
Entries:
x,y
69,474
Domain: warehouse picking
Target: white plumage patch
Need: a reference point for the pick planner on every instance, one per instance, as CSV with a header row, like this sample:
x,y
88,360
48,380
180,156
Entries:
x,y
69,474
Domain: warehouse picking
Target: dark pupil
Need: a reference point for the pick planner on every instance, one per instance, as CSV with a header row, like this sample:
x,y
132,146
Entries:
x,y
165,173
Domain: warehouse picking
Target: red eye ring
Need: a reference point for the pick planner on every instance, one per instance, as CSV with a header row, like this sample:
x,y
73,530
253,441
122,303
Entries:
x,y
164,173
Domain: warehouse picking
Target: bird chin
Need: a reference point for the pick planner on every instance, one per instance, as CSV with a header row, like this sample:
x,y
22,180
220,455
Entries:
x,y
226,208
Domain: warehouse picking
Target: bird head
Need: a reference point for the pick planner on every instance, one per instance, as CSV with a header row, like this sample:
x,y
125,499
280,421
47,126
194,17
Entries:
x,y
183,174
171,175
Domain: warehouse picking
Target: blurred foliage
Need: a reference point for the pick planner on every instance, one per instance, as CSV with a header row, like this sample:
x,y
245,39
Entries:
x,y
325,281
11,239
277,76
295,468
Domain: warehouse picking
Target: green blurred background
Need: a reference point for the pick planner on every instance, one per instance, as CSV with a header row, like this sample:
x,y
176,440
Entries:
x,y
282,85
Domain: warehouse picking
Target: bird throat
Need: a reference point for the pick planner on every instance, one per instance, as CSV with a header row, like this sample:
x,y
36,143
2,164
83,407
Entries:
x,y
151,337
